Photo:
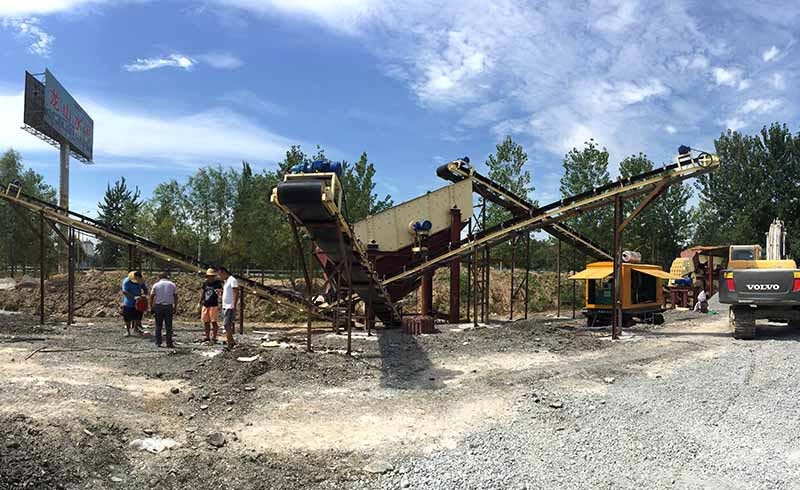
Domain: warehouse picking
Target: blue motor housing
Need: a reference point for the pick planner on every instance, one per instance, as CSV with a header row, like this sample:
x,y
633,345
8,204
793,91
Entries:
x,y
683,281
421,226
319,166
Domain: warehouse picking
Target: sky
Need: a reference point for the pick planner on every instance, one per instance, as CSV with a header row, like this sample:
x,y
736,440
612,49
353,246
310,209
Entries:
x,y
173,85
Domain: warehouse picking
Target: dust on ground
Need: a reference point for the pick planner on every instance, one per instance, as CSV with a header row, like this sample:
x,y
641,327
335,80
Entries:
x,y
72,399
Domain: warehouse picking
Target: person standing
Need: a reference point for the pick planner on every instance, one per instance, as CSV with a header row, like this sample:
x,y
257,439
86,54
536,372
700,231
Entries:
x,y
230,297
209,302
133,289
164,298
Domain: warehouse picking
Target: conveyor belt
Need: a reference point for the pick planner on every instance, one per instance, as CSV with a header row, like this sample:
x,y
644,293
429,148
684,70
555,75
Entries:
x,y
459,170
552,214
312,201
59,215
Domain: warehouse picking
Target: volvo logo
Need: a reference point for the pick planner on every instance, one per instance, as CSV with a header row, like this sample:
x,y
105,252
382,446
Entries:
x,y
763,287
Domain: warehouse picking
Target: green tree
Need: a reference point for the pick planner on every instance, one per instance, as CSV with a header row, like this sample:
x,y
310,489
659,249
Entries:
x,y
758,180
660,231
164,218
507,167
584,170
359,184
22,246
211,196
118,209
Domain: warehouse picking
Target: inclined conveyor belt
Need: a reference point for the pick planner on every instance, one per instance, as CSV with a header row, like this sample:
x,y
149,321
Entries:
x,y
309,202
54,213
459,170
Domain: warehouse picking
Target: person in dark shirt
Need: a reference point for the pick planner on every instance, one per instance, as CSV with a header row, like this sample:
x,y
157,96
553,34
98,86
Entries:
x,y
209,303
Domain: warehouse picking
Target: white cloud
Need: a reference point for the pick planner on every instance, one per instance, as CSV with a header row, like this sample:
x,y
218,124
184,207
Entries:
x,y
125,135
730,77
771,54
752,108
734,123
758,106
618,15
224,61
555,73
19,8
670,129
29,29
174,60
340,15
744,84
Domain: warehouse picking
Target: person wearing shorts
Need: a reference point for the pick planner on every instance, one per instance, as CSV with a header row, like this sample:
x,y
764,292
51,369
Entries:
x,y
209,305
133,287
230,297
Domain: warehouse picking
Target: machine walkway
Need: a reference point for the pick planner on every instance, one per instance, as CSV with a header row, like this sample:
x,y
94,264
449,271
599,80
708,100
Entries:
x,y
460,170
56,214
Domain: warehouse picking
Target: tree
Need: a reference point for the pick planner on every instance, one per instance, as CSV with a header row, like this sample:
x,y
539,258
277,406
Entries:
x,y
507,168
118,209
584,170
359,186
758,180
211,195
661,230
164,217
19,248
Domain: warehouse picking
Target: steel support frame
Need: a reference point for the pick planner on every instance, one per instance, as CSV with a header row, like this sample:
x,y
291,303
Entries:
x,y
558,279
454,308
616,317
349,279
307,278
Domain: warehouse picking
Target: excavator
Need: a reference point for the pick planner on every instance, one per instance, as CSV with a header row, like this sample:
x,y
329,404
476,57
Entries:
x,y
761,285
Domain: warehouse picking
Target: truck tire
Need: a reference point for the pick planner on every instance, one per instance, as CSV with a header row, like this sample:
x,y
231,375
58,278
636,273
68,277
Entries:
x,y
743,323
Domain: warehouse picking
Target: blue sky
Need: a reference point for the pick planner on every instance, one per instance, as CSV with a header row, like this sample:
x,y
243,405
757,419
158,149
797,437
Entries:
x,y
174,85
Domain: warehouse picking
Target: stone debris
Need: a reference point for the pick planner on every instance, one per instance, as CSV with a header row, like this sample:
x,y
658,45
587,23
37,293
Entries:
x,y
216,439
154,445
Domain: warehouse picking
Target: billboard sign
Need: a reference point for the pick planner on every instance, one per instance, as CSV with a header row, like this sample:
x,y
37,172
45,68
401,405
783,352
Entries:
x,y
66,117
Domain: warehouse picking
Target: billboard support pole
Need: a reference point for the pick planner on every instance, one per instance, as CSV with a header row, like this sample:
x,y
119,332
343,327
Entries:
x,y
63,197
63,194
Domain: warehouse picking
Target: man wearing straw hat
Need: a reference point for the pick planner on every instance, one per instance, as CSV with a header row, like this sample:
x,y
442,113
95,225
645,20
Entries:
x,y
133,289
209,303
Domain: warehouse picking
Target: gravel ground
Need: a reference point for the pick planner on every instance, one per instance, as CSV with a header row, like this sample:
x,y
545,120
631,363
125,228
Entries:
x,y
701,410
535,404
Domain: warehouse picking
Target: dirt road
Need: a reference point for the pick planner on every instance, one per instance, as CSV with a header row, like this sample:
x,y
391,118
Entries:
x,y
536,404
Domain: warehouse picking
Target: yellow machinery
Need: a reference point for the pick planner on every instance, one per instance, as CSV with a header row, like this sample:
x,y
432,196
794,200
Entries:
x,y
642,292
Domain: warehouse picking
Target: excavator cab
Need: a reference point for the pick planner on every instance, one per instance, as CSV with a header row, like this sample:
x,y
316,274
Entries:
x,y
744,252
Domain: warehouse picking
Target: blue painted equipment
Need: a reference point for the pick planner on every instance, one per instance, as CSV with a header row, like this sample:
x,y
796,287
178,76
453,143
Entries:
x,y
421,226
317,166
